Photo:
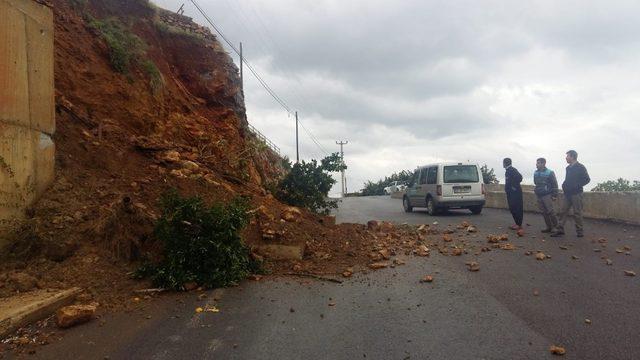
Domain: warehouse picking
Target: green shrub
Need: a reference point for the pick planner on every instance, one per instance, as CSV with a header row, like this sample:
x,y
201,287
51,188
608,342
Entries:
x,y
308,184
155,76
124,46
201,243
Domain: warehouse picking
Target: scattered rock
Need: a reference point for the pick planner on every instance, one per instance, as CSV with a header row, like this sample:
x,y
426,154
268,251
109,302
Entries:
x,y
520,233
378,265
587,321
472,229
385,254
291,214
171,156
447,238
456,252
540,256
557,350
473,266
507,246
608,262
564,248
69,316
574,257
374,225
423,250
426,279
629,273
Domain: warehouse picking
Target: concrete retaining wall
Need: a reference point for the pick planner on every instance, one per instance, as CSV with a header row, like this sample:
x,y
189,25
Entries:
x,y
615,206
27,105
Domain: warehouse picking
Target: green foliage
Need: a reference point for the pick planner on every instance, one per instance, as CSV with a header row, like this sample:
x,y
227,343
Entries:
x,y
201,243
377,188
617,185
488,175
124,46
156,81
308,184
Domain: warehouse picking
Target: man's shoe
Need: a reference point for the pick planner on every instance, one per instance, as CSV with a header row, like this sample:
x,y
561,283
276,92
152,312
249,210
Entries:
x,y
546,231
557,234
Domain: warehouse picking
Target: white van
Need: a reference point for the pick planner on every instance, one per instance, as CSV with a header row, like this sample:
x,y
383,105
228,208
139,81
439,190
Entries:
x,y
446,186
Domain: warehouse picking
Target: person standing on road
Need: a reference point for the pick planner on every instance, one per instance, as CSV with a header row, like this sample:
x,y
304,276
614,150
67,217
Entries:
x,y
577,177
546,190
512,187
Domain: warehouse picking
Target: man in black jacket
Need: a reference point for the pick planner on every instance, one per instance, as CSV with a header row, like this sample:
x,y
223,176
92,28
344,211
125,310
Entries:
x,y
577,177
514,193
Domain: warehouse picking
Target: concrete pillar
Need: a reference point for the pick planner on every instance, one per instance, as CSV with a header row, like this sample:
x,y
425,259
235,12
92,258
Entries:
x,y
27,105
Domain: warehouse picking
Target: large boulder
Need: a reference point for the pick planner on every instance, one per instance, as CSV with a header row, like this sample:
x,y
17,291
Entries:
x,y
72,315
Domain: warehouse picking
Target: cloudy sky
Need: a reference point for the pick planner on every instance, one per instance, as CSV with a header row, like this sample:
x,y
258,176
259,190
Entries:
x,y
414,82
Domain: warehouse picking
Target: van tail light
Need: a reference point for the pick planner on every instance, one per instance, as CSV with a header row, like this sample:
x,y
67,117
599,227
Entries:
x,y
439,190
484,192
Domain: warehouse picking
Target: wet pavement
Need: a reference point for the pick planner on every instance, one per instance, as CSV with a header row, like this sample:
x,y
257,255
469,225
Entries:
x,y
515,307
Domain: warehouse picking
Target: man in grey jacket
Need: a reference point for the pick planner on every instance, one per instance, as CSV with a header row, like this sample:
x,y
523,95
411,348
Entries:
x,y
546,190
577,177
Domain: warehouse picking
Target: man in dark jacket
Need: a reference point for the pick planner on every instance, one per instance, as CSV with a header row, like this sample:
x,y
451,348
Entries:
x,y
577,177
546,190
514,193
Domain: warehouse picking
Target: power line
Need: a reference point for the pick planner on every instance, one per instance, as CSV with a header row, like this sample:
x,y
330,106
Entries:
x,y
249,66
262,82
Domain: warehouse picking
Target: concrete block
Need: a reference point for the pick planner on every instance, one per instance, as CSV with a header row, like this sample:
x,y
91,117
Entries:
x,y
27,308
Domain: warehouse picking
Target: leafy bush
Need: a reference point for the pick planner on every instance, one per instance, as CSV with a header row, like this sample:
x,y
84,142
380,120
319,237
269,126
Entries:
x,y
201,243
124,46
308,184
618,185
156,80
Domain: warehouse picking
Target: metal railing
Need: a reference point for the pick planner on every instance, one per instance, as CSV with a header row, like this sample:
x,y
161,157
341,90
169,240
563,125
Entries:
x,y
264,139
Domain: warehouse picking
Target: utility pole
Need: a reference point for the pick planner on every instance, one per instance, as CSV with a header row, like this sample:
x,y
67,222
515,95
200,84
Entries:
x,y
241,70
344,183
297,148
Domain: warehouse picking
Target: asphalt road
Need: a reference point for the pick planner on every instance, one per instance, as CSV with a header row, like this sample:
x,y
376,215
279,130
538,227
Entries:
x,y
388,314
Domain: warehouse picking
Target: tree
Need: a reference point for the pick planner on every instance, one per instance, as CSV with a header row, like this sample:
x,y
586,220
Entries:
x,y
488,175
377,188
617,185
308,184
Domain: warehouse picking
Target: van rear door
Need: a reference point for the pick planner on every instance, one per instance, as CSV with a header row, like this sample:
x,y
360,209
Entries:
x,y
460,181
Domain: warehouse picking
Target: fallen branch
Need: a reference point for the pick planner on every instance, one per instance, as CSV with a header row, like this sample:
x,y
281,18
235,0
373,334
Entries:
x,y
149,291
317,277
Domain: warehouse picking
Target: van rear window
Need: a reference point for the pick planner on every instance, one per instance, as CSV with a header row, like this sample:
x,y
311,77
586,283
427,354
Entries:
x,y
461,174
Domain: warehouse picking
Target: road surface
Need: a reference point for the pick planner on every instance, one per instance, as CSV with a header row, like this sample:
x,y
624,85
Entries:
x,y
388,314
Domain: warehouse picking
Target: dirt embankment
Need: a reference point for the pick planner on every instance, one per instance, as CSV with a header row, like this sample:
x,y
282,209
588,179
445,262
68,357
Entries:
x,y
174,119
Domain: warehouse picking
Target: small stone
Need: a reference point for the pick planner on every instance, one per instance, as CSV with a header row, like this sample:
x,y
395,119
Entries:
x,y
587,321
378,265
426,279
629,273
557,350
540,256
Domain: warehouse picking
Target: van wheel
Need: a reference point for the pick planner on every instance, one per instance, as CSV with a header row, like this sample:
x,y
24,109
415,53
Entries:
x,y
476,210
431,207
406,205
